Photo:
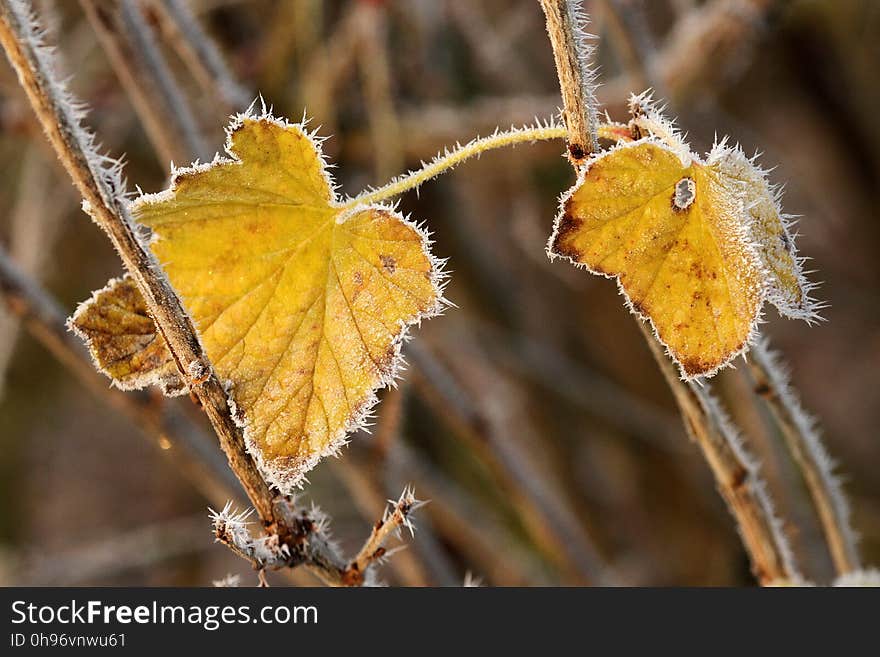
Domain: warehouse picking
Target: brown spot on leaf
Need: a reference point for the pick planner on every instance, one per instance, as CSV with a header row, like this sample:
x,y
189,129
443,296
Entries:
x,y
694,366
389,264
568,224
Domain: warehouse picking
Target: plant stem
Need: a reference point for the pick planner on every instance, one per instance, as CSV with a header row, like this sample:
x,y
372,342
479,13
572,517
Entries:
x,y
200,53
565,28
803,441
146,78
736,475
98,181
165,426
447,160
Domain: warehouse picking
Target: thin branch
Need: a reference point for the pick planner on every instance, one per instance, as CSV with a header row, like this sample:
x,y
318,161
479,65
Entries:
x,y
367,496
565,25
200,53
185,446
545,516
141,68
805,444
98,180
736,474
396,516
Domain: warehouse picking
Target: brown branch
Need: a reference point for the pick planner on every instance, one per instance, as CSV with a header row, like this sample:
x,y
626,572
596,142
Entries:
x,y
373,551
570,51
186,447
736,475
804,443
99,183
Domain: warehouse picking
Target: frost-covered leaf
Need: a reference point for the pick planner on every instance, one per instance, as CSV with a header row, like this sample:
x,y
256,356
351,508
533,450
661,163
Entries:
x,y
696,245
300,301
122,339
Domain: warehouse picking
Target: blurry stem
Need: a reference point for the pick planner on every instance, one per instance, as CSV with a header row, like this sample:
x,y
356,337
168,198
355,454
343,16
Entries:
x,y
565,27
168,429
373,59
735,474
200,53
632,40
467,523
144,74
546,518
99,187
803,441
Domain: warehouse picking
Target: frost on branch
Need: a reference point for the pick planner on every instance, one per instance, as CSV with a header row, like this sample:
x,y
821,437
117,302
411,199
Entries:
x,y
397,515
697,245
231,528
229,581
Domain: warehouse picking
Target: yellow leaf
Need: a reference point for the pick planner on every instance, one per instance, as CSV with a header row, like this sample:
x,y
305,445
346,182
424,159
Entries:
x,y
787,289
122,339
301,302
692,243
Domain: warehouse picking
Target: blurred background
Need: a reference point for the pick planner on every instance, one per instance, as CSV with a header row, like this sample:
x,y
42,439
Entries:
x,y
533,415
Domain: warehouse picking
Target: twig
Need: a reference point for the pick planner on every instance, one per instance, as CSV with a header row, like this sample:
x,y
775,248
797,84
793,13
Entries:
x,y
396,516
141,69
99,182
367,496
805,444
200,53
736,474
570,50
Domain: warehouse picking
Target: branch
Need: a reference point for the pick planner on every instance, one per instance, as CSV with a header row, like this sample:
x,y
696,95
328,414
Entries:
x,y
316,550
736,474
200,53
141,68
805,444
373,550
565,23
99,182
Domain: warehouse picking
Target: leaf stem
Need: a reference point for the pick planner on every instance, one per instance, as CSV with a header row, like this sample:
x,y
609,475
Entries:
x,y
447,160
